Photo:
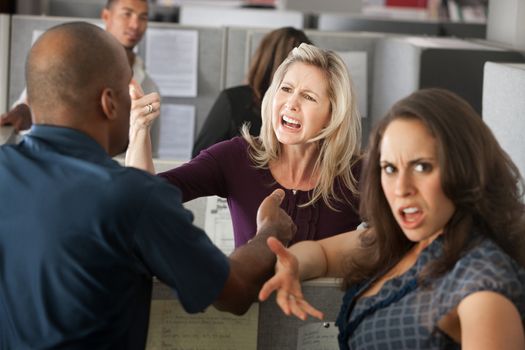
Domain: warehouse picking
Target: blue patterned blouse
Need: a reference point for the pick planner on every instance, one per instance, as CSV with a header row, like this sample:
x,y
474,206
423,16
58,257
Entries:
x,y
403,315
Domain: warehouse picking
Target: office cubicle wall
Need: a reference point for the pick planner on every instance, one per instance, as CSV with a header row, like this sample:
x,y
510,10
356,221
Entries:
x,y
211,66
356,22
316,6
359,22
504,107
505,22
405,64
5,29
464,30
75,8
270,330
223,16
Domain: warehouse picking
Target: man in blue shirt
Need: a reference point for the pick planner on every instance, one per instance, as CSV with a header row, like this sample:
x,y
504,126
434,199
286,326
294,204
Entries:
x,y
80,236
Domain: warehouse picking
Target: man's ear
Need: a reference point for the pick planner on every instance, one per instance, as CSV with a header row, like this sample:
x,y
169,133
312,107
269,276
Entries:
x,y
107,102
104,14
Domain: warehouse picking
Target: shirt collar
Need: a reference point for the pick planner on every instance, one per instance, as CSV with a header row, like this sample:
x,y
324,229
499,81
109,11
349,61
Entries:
x,y
67,141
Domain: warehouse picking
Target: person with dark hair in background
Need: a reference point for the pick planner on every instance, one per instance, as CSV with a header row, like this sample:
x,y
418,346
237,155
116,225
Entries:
x,y
441,264
309,146
127,21
81,237
241,104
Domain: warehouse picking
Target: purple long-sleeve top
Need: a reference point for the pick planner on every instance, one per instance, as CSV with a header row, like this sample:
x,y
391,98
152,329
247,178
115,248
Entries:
x,y
225,170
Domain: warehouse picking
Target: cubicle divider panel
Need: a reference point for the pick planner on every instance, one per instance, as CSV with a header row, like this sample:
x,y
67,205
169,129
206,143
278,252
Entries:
x,y
24,30
504,107
396,74
263,327
359,22
211,60
75,8
466,76
5,30
238,55
406,64
280,332
218,16
464,30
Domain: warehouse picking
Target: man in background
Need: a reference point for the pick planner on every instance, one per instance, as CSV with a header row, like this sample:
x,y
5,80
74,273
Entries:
x,y
127,21
81,237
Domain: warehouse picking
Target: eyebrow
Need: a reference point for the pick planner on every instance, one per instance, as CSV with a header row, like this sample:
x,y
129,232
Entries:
x,y
305,90
126,8
413,161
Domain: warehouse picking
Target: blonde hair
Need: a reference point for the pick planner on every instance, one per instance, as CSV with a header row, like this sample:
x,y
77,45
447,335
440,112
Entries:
x,y
339,142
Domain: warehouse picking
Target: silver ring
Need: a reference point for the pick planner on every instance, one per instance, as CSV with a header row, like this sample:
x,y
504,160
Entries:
x,y
150,108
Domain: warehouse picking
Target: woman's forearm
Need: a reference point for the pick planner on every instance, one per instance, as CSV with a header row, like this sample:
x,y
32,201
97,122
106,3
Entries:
x,y
139,152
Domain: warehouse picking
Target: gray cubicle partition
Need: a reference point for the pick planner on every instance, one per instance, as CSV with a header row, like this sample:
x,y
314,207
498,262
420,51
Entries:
x,y
464,30
504,107
405,64
359,22
275,331
5,30
218,16
211,66
75,8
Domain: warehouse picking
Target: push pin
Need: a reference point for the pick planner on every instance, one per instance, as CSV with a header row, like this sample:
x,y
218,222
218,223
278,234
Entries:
x,y
326,324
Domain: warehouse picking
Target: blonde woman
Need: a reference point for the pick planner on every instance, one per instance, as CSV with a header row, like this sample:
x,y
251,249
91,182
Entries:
x,y
309,146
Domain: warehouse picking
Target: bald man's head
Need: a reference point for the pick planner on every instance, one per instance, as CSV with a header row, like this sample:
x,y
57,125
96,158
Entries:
x,y
70,65
77,77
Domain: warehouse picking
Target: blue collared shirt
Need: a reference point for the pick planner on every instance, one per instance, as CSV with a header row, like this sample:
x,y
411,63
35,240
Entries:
x,y
81,238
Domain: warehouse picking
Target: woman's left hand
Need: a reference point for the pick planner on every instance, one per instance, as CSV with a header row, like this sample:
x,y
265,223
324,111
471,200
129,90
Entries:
x,y
287,284
144,108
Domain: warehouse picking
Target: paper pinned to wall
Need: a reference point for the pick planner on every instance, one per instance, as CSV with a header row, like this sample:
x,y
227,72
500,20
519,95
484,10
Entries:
x,y
171,328
172,60
177,125
356,62
218,224
318,336
36,34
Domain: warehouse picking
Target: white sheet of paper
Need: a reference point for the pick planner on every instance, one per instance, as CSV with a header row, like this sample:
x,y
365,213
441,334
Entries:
x,y
177,125
316,336
357,65
218,224
171,328
172,60
36,34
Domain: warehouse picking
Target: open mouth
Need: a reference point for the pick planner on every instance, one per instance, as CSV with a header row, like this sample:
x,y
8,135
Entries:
x,y
411,216
290,122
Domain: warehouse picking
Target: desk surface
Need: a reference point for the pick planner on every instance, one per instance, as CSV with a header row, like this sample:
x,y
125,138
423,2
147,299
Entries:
x,y
6,134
